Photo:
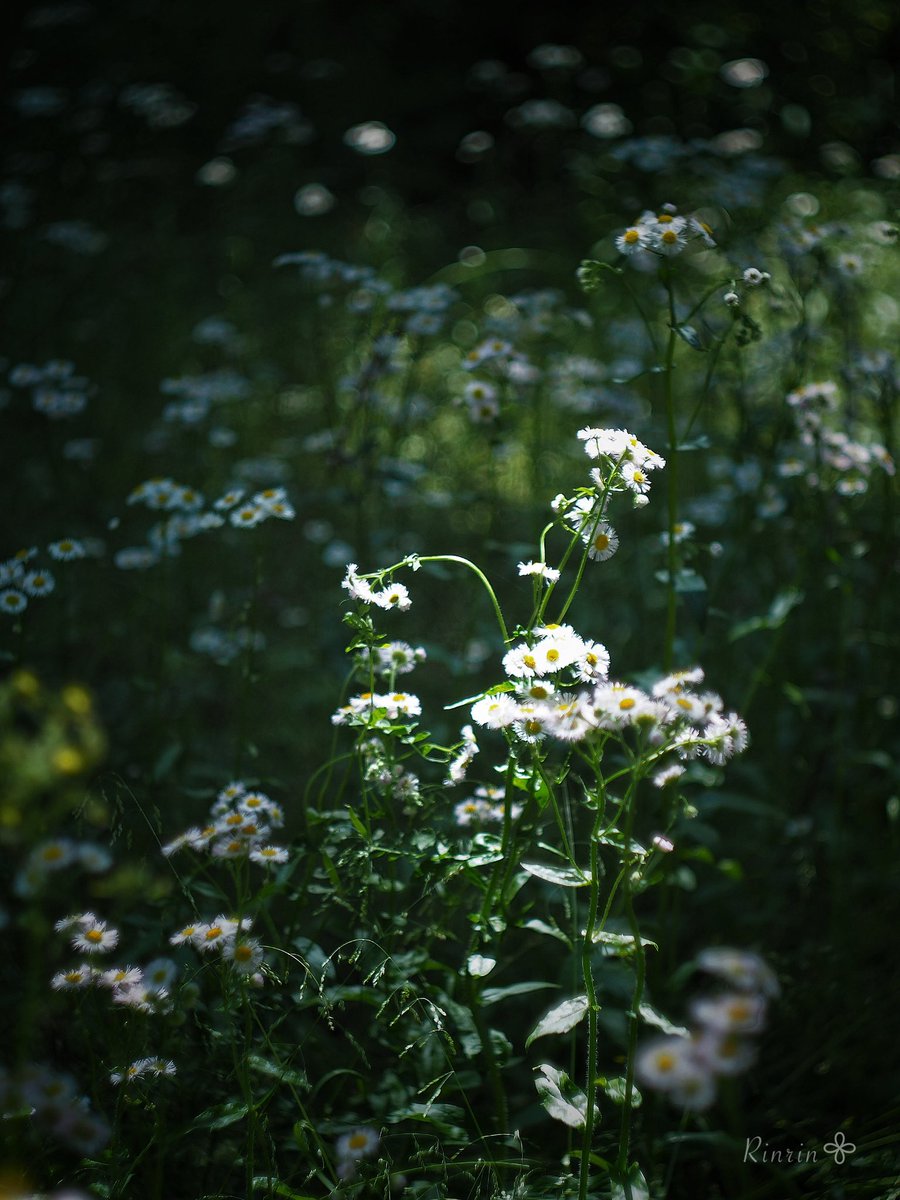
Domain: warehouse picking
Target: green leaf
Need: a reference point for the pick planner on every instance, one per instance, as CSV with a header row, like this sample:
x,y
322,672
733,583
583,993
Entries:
x,y
686,580
560,1019
478,966
550,930
658,1021
563,876
278,1071
492,995
277,1188
615,1089
562,1100
637,1184
220,1116
779,609
619,945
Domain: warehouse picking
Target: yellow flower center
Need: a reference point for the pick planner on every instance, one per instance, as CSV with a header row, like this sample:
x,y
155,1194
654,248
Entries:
x,y
632,236
665,1062
94,935
529,661
670,237
552,655
601,542
626,703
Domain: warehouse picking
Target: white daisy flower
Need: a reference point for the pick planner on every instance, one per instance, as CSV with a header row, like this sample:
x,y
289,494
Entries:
x,y
633,240
736,1012
269,855
540,570
495,712
12,601
247,516
38,583
95,938
395,595
244,954
602,542
75,977
359,1143
66,550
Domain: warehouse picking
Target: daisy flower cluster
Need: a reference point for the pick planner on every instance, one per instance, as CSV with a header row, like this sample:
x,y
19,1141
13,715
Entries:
x,y
486,806
145,989
195,394
687,1065
21,579
827,458
663,233
158,1068
55,1104
499,363
371,708
56,391
227,936
390,659
544,699
417,311
239,826
56,854
191,518
391,595
624,464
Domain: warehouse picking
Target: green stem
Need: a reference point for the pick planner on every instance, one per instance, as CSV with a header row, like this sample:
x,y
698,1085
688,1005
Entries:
x,y
640,960
593,1008
671,485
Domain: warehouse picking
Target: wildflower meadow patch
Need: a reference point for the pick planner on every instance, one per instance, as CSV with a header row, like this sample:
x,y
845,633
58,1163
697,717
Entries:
x,y
448,709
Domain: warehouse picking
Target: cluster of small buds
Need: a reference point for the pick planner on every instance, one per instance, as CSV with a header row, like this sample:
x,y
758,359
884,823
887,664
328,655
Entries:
x,y
22,580
239,824
145,989
392,595
53,1101
828,458
393,658
664,233
686,1066
350,1147
391,779
56,391
459,765
227,936
370,709
158,1068
486,806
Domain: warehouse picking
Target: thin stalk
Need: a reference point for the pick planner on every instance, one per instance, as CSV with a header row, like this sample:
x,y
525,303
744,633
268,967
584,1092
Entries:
x,y
671,485
593,1008
640,961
